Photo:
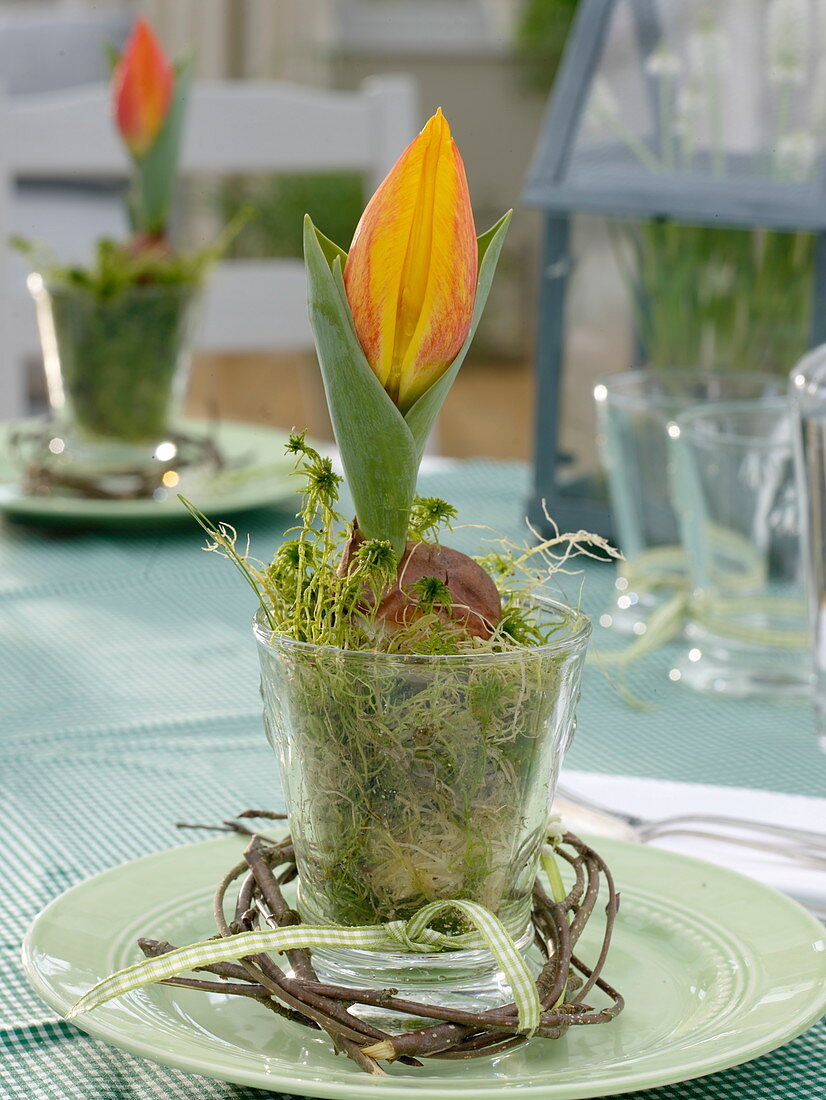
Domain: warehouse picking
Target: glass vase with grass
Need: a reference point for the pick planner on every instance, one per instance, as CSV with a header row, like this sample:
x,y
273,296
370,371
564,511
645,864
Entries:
x,y
116,354
420,767
419,700
116,336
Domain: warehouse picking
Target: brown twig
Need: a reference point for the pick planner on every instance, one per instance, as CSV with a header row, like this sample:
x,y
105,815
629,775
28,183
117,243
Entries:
x,y
44,474
270,815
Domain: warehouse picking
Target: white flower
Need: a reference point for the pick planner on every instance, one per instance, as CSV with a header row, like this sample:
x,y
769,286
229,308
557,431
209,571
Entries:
x,y
663,62
603,105
554,830
709,50
795,155
787,36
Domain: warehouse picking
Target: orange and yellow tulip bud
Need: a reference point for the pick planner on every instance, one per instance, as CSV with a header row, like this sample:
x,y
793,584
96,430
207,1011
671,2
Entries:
x,y
142,86
411,272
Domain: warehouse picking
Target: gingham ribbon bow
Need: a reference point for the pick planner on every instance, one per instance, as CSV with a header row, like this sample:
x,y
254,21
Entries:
x,y
413,935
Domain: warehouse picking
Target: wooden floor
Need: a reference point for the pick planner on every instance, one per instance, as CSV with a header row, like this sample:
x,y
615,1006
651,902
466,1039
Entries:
x,y
489,411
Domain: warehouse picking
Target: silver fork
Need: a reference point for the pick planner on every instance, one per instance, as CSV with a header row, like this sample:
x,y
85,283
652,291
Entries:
x,y
802,845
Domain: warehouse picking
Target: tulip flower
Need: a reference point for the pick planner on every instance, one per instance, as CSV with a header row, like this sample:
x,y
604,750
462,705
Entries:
x,y
410,276
149,104
394,319
142,86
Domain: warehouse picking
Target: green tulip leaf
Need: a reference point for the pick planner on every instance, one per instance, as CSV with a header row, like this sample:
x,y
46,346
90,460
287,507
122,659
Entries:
x,y
330,249
380,449
158,167
377,449
422,415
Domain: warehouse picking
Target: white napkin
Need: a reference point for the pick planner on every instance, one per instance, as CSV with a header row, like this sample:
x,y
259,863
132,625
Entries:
x,y
655,798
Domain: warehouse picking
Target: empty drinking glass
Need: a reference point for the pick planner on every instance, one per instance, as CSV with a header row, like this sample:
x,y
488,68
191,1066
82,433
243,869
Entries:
x,y
808,389
636,411
734,488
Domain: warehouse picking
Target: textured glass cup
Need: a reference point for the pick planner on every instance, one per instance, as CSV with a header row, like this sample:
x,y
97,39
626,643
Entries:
x,y
636,410
411,779
734,487
115,366
808,390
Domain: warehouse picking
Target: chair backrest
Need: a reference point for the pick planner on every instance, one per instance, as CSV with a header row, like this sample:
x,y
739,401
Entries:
x,y
232,127
51,46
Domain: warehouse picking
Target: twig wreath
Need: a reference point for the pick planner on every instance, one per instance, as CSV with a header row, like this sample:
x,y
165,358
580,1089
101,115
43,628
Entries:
x,y
565,983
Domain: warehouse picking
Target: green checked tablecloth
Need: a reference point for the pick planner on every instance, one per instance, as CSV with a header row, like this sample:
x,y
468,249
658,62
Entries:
x,y
129,699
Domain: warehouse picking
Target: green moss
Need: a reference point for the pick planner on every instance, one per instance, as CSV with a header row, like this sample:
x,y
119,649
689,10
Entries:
x,y
304,597
118,267
411,784
120,355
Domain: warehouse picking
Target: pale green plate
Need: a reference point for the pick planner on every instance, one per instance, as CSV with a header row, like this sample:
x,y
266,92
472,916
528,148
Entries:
x,y
716,969
258,476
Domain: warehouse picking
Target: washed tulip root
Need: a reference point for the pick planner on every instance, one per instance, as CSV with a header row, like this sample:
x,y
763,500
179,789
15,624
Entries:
x,y
291,988
431,578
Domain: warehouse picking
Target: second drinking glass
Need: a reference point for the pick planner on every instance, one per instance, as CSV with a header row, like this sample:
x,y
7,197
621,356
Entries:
x,y
734,488
636,412
808,389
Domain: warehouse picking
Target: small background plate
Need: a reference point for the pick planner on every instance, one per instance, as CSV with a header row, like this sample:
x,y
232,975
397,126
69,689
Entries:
x,y
258,477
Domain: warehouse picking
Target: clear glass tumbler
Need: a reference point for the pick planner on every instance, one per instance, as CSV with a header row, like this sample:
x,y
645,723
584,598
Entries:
x,y
412,779
734,488
636,412
115,364
808,389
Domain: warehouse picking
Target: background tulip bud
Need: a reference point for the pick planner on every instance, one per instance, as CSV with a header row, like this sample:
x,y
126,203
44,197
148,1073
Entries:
x,y
142,85
411,272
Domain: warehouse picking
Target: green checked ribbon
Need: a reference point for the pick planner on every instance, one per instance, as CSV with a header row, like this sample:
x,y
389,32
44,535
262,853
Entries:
x,y
413,935
738,575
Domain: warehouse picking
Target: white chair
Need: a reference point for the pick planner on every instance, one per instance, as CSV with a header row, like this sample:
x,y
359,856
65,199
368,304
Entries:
x,y
57,44
232,127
